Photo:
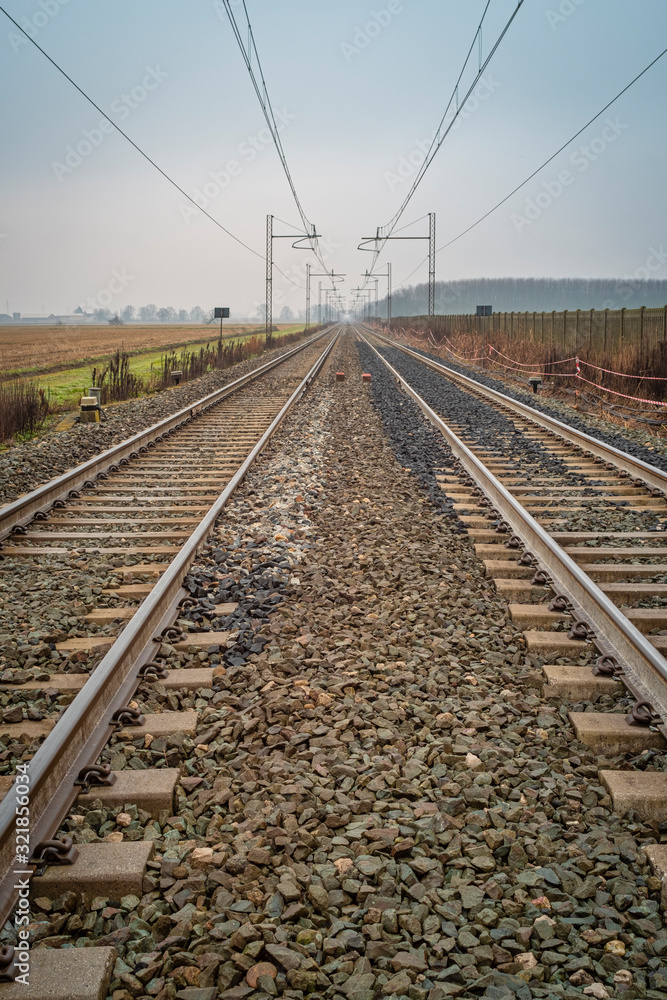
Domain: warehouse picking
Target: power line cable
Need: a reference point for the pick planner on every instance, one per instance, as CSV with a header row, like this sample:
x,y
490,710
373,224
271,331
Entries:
x,y
263,96
542,166
558,151
261,89
285,223
437,140
145,155
440,136
131,141
413,223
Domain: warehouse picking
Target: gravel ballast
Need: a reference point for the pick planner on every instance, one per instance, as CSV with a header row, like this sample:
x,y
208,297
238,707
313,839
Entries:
x,y
378,802
636,442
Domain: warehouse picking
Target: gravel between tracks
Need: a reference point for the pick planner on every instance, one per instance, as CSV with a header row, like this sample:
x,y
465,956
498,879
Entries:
x,y
493,429
26,466
635,442
482,422
377,803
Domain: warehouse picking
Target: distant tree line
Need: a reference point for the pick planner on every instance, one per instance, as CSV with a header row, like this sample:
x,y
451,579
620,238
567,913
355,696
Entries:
x,y
286,315
167,314
528,295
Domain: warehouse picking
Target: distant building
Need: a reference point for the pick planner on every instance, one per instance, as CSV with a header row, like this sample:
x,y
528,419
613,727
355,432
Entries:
x,y
77,318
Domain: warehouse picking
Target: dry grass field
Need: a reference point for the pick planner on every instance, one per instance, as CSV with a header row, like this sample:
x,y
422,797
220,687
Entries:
x,y
35,350
51,373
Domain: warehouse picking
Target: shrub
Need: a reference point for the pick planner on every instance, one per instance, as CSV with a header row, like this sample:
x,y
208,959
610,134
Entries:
x,y
23,408
116,380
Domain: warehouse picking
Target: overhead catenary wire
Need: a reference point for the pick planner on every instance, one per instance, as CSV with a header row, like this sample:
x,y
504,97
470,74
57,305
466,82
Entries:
x,y
263,97
558,151
261,89
128,139
541,167
441,135
413,223
145,155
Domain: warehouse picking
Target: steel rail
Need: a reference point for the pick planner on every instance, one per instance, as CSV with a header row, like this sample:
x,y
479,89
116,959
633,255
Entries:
x,y
86,723
20,512
652,476
644,668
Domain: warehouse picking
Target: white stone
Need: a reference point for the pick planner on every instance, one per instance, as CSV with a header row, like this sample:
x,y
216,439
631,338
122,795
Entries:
x,y
596,990
526,960
201,857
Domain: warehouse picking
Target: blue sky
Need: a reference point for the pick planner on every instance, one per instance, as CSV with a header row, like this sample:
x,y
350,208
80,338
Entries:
x,y
355,103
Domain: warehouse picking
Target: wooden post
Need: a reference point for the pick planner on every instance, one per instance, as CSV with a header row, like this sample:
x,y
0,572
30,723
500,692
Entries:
x,y
606,320
642,354
484,324
622,327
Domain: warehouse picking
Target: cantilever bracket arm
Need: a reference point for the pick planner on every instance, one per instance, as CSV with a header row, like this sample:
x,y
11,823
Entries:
x,y
378,239
310,236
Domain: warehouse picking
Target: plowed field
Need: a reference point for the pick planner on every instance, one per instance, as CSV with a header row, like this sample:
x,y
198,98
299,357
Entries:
x,y
33,350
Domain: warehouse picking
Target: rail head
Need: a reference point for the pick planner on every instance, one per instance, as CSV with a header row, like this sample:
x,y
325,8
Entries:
x,y
20,512
644,668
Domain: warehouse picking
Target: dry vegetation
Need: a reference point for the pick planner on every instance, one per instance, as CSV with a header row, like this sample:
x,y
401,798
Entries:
x,y
643,376
34,350
600,396
118,382
26,401
23,408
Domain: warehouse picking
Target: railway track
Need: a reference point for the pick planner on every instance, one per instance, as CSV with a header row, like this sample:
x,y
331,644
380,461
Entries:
x,y
573,533
148,504
342,783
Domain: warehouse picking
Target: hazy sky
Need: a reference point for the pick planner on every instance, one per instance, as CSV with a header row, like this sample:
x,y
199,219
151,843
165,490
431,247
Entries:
x,y
357,86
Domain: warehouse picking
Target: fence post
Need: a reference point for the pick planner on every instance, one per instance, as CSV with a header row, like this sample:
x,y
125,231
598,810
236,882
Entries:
x,y
606,319
622,327
642,355
590,332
